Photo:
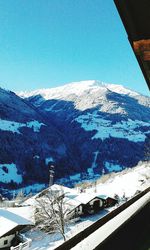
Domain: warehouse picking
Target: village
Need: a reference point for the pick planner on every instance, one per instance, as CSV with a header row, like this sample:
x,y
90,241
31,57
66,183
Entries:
x,y
58,212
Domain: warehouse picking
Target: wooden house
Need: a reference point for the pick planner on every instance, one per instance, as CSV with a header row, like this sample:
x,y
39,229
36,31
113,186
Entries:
x,y
11,225
86,204
108,201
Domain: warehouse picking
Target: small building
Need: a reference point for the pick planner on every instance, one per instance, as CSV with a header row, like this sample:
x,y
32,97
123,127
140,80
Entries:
x,y
11,225
108,201
86,204
92,204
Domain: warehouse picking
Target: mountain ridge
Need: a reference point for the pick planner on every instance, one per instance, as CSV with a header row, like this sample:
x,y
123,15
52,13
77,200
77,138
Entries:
x,y
78,87
96,117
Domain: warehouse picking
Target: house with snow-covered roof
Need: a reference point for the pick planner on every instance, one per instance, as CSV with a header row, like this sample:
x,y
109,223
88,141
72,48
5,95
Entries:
x,y
57,189
11,225
91,203
108,201
86,203
77,203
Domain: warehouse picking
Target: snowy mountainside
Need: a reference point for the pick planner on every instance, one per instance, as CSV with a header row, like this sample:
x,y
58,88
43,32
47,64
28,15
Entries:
x,y
85,129
97,117
77,90
28,143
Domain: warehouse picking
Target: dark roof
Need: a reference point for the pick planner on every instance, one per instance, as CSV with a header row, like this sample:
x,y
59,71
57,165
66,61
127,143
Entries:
x,y
14,230
135,15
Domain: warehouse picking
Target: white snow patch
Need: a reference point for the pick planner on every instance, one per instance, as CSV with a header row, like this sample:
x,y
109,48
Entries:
x,y
49,159
90,172
8,172
15,126
36,157
112,167
124,129
75,177
35,125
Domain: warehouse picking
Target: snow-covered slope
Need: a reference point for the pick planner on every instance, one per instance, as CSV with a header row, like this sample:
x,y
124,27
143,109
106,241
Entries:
x,y
86,128
77,90
28,143
84,95
97,117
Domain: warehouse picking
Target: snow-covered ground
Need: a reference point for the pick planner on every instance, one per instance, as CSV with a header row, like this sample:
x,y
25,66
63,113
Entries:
x,y
8,172
127,182
104,128
43,241
94,239
15,126
123,183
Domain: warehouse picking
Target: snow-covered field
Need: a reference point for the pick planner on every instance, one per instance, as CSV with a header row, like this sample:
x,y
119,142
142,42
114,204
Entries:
x,y
43,241
8,172
15,126
105,128
125,183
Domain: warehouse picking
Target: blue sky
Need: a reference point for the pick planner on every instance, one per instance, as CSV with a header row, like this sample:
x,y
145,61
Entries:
x,y
46,43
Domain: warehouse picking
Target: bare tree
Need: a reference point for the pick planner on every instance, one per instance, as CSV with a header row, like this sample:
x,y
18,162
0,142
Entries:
x,y
51,212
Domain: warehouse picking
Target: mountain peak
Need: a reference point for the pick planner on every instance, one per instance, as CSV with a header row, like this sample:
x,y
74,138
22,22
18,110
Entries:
x,y
78,88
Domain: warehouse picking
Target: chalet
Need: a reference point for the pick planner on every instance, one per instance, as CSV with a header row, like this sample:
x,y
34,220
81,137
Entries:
x,y
108,201
90,203
11,225
85,204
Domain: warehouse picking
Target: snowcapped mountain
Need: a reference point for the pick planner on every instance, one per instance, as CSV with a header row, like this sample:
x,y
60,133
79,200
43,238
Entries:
x,y
77,88
104,125
84,128
95,92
